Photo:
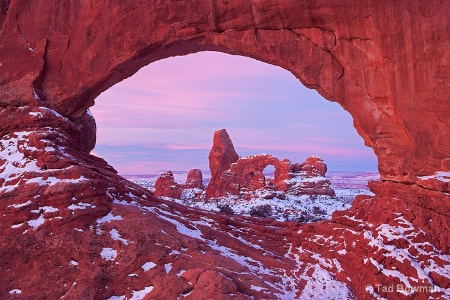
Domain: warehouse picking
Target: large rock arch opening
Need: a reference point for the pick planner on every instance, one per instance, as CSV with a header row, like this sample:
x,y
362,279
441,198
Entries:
x,y
70,60
386,63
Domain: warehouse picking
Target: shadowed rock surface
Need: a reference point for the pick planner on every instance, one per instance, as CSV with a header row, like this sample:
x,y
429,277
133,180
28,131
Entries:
x,y
72,228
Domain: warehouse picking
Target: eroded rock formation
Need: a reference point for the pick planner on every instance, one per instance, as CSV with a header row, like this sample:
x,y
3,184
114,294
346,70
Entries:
x,y
194,179
166,186
244,176
355,60
73,228
222,154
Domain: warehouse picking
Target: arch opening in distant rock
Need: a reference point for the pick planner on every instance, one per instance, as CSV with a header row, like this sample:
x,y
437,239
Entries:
x,y
269,175
269,171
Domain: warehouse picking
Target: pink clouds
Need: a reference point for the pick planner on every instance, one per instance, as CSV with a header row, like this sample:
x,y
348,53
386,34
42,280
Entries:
x,y
309,148
138,168
186,147
178,103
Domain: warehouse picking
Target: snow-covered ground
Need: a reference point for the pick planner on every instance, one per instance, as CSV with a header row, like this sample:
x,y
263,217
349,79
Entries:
x,y
292,208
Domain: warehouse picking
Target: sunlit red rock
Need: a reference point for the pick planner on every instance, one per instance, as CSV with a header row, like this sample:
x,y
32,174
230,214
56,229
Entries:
x,y
245,175
314,166
166,186
221,156
194,179
67,60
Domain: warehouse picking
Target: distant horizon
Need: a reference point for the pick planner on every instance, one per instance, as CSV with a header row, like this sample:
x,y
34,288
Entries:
x,y
208,171
164,117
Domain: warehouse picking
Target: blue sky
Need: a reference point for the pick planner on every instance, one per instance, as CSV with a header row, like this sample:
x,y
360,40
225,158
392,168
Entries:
x,y
164,116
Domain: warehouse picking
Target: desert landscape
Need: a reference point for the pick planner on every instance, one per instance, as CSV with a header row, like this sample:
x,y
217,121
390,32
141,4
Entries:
x,y
72,227
290,192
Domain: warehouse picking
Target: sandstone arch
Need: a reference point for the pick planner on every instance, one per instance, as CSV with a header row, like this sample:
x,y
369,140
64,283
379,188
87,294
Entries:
x,y
385,62
81,49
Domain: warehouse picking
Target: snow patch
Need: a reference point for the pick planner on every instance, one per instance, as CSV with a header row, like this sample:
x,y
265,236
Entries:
x,y
45,209
53,180
322,285
108,218
36,114
108,253
15,292
36,223
256,288
148,265
116,236
21,204
137,295
441,176
168,267
81,205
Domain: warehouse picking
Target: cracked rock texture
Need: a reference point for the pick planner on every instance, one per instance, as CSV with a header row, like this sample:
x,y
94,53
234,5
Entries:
x,y
72,228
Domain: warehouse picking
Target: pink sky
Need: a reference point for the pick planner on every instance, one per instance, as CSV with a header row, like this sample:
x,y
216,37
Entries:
x,y
164,116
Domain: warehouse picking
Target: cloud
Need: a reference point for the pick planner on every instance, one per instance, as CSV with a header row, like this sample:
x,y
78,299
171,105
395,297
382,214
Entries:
x,y
185,147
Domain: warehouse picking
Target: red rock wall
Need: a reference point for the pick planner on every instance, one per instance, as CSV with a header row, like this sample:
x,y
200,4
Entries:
x,y
385,62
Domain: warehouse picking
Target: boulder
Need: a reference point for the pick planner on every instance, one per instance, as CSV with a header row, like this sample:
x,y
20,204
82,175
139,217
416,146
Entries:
x,y
166,186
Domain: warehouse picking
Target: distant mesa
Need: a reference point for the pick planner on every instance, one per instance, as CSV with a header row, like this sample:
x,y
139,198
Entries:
x,y
243,177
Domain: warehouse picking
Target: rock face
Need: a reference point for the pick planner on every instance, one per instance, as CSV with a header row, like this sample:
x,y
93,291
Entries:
x,y
221,156
72,228
194,179
166,186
